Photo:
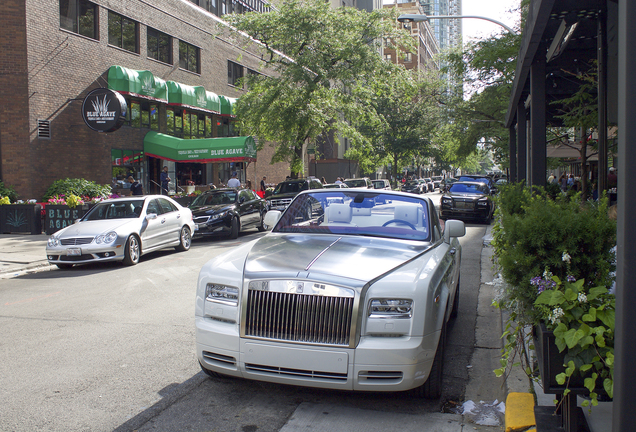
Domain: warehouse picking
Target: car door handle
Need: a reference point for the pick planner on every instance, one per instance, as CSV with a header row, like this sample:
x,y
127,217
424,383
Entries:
x,y
453,251
163,220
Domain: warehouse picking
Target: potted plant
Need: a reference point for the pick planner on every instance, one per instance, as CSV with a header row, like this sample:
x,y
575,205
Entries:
x,y
556,259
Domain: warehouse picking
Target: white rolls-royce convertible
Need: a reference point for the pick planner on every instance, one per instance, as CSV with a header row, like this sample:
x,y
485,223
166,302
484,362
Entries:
x,y
352,289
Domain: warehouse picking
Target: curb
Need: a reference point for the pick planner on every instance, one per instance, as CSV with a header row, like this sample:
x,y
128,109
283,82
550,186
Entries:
x,y
520,413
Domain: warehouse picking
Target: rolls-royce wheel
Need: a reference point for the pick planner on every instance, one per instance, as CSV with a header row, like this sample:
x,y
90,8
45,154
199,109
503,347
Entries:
x,y
432,388
260,226
185,240
132,251
455,309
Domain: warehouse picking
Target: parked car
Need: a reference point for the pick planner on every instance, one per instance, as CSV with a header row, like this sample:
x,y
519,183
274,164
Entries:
x,y
437,182
364,182
430,186
381,184
334,186
423,184
227,211
285,191
352,289
122,229
467,200
413,186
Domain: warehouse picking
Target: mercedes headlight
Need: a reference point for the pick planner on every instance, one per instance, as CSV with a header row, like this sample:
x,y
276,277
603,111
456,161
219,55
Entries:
x,y
390,308
53,241
218,215
222,294
106,238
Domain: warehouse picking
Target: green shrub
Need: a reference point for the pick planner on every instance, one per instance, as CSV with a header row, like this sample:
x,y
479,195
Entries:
x,y
8,191
79,187
532,235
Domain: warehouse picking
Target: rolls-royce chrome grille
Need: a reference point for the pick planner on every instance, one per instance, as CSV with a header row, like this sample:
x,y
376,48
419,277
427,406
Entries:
x,y
308,318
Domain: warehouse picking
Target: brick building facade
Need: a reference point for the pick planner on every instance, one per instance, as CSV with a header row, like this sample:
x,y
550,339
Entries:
x,y
53,52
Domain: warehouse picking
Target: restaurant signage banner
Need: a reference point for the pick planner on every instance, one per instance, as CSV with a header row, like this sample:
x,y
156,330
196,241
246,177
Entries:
x,y
104,110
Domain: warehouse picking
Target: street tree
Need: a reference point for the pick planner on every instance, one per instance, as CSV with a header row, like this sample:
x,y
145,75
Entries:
x,y
487,68
317,58
401,120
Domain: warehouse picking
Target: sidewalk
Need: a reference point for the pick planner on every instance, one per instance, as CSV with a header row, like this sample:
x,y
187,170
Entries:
x,y
22,252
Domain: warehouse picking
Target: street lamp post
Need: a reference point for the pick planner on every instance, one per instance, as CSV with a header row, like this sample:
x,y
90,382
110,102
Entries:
x,y
422,17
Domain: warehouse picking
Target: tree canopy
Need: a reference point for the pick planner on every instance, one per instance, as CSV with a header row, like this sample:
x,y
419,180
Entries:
x,y
320,63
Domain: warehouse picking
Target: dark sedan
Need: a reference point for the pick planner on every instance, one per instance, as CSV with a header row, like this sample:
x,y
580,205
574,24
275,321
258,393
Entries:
x,y
412,186
227,211
467,200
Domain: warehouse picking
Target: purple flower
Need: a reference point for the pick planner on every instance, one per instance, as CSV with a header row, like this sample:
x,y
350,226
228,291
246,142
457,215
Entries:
x,y
571,278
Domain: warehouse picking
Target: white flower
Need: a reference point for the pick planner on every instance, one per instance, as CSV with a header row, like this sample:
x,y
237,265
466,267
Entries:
x,y
566,257
555,315
547,274
582,298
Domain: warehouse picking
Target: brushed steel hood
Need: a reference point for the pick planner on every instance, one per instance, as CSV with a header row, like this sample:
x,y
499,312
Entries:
x,y
352,257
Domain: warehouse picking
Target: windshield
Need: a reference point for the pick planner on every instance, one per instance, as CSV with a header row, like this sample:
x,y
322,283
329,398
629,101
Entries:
x,y
290,187
214,198
344,212
468,188
356,183
115,210
476,179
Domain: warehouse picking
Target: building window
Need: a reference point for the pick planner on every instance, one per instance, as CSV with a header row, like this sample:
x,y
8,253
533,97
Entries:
x,y
408,58
159,46
122,32
234,74
142,114
125,163
189,57
79,16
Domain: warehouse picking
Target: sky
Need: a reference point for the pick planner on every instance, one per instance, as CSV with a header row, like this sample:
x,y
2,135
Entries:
x,y
495,9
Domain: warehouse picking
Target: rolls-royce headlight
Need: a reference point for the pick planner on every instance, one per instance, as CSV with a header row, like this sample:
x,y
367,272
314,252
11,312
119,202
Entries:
x,y
106,238
221,294
482,202
53,241
390,308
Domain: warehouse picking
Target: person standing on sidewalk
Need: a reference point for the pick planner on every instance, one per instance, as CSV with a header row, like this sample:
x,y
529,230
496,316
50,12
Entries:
x,y
165,179
135,187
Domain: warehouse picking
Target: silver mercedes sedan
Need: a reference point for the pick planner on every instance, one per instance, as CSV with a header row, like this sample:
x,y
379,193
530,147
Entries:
x,y
352,289
122,229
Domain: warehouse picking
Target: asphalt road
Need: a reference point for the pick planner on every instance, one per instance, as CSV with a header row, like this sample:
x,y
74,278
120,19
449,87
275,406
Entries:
x,y
108,347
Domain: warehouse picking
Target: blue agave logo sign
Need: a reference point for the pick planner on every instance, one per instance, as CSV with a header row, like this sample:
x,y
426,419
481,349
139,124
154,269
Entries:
x,y
16,219
104,110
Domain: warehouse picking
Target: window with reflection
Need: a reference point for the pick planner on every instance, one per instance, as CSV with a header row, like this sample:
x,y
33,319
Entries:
x,y
159,46
189,56
79,16
122,32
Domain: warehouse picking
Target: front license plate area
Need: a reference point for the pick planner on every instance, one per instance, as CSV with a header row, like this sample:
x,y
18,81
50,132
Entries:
x,y
73,251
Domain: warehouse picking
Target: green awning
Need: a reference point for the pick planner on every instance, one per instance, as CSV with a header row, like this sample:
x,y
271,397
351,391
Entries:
x,y
196,97
227,105
137,83
227,149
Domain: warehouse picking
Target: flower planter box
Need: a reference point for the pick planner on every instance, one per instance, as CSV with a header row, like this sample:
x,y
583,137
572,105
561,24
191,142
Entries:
x,y
551,364
21,218
61,216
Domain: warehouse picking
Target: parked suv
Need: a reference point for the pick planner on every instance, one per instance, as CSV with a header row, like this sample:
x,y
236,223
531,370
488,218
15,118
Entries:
x,y
381,184
363,182
285,192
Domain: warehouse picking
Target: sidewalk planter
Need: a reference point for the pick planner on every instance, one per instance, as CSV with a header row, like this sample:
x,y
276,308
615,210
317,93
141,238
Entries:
x,y
61,216
21,218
